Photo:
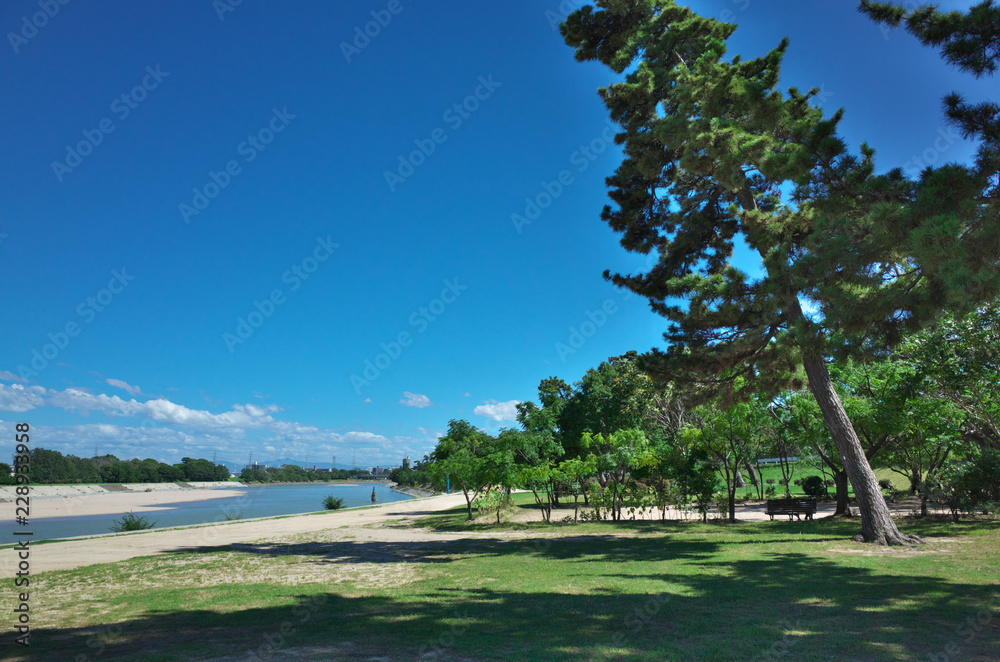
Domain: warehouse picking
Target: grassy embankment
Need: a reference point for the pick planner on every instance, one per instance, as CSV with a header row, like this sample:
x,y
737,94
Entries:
x,y
800,470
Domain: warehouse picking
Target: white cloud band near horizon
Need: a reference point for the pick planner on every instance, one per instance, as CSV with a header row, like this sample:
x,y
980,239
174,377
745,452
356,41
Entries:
x,y
166,425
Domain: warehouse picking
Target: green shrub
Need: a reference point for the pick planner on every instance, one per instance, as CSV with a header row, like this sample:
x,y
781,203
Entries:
x,y
813,486
970,485
331,502
494,500
131,522
769,481
233,515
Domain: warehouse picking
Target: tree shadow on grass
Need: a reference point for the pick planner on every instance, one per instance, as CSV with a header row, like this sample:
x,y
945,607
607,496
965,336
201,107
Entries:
x,y
647,598
582,547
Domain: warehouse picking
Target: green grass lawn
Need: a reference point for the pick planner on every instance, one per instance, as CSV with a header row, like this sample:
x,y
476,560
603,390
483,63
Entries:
x,y
801,470
642,590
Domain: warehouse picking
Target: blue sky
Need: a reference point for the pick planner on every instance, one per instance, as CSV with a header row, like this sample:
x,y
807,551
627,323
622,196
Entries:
x,y
245,228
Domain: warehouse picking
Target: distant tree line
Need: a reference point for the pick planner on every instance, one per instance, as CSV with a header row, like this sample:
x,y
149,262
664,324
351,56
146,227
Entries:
x,y
52,467
293,473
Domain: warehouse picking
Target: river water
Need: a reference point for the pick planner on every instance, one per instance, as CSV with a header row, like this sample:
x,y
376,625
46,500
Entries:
x,y
260,501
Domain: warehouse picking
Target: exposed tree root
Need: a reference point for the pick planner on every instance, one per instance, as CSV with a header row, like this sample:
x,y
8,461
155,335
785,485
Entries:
x,y
897,540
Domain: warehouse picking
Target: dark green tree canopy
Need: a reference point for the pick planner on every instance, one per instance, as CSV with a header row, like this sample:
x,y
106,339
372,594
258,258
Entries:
x,y
715,154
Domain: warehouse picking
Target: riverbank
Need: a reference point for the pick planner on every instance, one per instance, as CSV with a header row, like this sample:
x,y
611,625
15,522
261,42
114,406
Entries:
x,y
412,491
55,501
9,492
351,525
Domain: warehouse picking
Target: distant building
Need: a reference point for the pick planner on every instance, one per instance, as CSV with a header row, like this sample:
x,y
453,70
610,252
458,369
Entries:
x,y
406,462
256,466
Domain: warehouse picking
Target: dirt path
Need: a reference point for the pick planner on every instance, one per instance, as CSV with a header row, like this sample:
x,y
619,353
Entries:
x,y
70,554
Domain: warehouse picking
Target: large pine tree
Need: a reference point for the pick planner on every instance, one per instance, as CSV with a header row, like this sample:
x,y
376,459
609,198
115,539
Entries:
x,y
715,154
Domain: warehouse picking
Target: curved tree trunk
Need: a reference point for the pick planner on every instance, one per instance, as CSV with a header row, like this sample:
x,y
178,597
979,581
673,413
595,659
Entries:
x,y
468,502
877,525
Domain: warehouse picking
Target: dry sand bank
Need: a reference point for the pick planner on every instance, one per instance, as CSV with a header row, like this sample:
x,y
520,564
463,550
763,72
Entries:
x,y
75,500
117,503
349,524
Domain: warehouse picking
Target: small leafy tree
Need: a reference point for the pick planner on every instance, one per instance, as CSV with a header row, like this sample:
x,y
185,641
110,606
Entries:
x,y
729,436
970,485
616,455
573,472
492,500
459,458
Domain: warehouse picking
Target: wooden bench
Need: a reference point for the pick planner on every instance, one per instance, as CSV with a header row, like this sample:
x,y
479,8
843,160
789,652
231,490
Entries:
x,y
791,507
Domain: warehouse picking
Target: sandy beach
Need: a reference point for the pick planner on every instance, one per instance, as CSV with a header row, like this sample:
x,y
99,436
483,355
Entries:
x,y
385,523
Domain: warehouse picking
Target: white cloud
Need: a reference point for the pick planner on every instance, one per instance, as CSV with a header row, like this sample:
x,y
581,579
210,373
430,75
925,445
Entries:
x,y
242,417
498,411
168,430
416,400
11,377
125,386
21,398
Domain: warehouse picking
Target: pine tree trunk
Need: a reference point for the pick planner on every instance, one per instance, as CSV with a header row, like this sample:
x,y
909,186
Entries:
x,y
877,525
754,479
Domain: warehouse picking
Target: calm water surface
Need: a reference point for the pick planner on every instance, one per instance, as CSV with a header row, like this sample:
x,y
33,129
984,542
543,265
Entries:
x,y
263,501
